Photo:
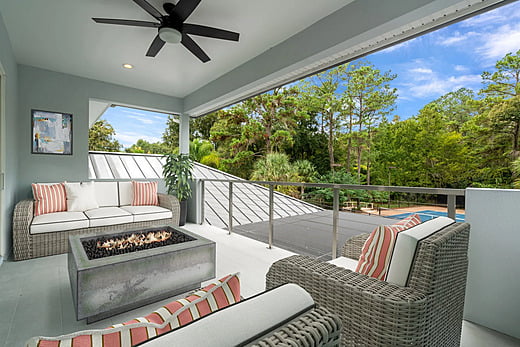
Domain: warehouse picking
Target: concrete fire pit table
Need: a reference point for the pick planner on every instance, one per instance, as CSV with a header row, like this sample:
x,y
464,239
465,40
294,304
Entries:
x,y
107,286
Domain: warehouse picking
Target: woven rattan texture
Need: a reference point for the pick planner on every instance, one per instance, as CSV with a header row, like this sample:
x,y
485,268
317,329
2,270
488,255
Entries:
x,y
27,245
318,328
428,312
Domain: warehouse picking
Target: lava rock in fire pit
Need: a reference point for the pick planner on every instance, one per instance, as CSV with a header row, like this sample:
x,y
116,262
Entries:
x,y
109,245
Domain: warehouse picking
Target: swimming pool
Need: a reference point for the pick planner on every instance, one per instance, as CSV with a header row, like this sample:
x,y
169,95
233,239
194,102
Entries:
x,y
429,214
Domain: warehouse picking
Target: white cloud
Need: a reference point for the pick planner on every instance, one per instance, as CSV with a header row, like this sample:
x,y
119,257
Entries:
x,y
129,138
143,119
421,70
497,16
456,38
461,68
497,44
401,45
422,81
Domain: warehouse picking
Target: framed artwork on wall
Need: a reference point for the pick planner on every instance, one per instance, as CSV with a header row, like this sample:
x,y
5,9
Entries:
x,y
51,132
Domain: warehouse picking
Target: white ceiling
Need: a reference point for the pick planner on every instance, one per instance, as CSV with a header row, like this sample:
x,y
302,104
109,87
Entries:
x,y
60,35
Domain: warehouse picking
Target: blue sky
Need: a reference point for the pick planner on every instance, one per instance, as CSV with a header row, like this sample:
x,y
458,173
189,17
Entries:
x,y
132,124
427,67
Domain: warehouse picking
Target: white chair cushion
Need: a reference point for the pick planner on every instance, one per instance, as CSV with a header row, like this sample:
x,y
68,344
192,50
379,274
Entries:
x,y
406,245
344,262
108,216
58,221
107,193
236,324
80,196
126,193
146,213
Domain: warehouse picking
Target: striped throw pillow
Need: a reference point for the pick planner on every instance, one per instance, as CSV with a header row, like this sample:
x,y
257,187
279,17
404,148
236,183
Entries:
x,y
49,198
378,248
145,193
217,295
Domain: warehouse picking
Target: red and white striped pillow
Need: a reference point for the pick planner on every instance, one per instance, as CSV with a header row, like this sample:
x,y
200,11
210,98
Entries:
x,y
213,297
376,253
145,193
49,198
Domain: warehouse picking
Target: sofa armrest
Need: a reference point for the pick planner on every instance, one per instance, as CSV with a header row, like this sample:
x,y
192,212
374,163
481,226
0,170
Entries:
x,y
367,306
171,203
22,218
352,247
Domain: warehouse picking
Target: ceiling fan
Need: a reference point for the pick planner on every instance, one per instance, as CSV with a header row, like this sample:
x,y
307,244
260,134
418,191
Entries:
x,y
172,29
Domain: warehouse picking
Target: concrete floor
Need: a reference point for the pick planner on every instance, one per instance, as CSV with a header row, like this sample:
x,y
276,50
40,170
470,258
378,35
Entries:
x,y
36,297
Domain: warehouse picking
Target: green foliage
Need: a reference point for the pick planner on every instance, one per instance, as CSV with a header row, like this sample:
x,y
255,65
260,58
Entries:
x,y
177,172
171,133
211,159
101,137
142,146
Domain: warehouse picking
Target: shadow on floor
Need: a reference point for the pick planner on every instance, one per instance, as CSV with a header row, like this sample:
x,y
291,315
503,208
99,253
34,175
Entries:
x,y
311,234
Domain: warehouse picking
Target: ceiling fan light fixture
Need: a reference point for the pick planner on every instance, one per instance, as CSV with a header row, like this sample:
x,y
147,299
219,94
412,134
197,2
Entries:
x,y
170,35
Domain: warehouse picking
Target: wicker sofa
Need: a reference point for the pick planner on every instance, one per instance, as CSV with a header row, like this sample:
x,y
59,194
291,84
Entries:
x,y
48,234
427,311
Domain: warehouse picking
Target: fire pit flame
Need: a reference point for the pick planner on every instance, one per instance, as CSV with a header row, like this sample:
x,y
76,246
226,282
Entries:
x,y
135,240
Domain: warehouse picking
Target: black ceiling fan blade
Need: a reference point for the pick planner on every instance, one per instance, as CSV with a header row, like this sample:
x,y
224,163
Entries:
x,y
145,5
184,8
155,47
202,30
133,23
194,48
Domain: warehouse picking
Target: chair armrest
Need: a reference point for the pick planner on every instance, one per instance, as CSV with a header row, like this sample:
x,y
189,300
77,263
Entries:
x,y
171,203
367,306
22,218
352,248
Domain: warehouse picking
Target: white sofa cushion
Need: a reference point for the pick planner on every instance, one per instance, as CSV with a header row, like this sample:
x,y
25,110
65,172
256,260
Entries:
x,y
108,216
234,325
58,221
406,245
345,262
106,193
80,196
146,213
126,193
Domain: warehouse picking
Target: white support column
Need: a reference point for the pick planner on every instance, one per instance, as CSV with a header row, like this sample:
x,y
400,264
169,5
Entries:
x,y
184,134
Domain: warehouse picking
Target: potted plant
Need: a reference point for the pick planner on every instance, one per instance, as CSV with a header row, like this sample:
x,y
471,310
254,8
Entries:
x,y
177,176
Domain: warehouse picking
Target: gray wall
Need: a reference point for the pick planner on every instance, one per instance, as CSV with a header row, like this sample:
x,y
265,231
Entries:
x,y
9,139
492,296
52,91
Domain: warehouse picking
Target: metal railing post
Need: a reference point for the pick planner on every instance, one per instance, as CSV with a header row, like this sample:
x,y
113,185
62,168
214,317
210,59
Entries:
x,y
271,214
203,202
230,221
335,217
451,206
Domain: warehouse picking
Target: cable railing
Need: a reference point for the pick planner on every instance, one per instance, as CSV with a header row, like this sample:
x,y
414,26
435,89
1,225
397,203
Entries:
x,y
451,195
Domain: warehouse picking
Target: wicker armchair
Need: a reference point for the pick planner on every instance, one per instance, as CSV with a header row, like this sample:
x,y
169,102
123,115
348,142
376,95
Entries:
x,y
427,312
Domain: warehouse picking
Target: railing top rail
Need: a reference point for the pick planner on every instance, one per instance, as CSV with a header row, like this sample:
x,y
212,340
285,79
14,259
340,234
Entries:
x,y
400,189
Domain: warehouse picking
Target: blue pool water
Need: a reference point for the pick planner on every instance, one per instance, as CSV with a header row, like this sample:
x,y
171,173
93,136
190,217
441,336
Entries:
x,y
429,214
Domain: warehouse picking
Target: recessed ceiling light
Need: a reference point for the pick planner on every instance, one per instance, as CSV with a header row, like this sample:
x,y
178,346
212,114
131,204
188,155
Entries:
x,y
128,66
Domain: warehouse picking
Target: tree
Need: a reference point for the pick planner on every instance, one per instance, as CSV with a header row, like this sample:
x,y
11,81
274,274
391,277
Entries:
x,y
143,146
368,99
171,133
457,107
324,99
101,137
505,81
506,119
274,114
276,167
200,127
